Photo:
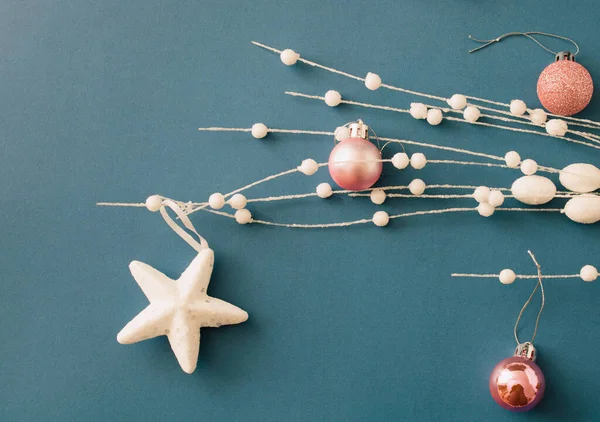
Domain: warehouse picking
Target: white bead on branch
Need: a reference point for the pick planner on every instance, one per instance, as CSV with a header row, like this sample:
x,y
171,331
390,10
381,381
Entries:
x,y
154,202
378,196
333,98
418,160
400,160
259,130
324,190
580,177
557,127
518,107
584,208
341,133
381,218
533,190
372,81
538,116
512,159
243,216
529,167
216,201
237,201
507,276
471,114
289,57
417,187
457,101
418,110
308,167
434,116
588,273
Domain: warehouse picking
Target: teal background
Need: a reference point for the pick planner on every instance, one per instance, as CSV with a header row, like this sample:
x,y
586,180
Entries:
x,y
100,101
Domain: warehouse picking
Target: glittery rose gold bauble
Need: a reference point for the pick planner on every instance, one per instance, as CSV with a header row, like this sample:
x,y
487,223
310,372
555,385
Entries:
x,y
565,88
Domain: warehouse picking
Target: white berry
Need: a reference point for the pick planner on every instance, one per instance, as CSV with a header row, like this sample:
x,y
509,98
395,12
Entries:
x,y
418,110
216,201
471,114
243,216
324,190
457,101
484,209
557,127
529,167
512,159
418,160
588,273
416,187
381,218
400,160
154,202
289,57
538,116
481,194
333,98
259,130
507,276
372,81
341,133
308,167
495,198
378,196
434,116
518,107
237,201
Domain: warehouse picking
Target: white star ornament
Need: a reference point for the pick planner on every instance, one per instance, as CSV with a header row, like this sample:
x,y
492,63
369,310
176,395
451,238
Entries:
x,y
179,308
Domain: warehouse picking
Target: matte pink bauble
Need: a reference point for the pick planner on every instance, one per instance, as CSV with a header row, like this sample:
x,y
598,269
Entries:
x,y
355,164
517,384
565,87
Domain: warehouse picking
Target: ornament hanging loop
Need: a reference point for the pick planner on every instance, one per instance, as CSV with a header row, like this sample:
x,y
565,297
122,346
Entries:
x,y
529,35
539,285
165,203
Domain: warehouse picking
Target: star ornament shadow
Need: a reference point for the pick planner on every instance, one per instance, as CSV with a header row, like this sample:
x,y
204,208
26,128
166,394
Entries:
x,y
179,308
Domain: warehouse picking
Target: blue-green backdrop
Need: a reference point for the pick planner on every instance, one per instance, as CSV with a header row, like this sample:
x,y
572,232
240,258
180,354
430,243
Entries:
x,y
100,101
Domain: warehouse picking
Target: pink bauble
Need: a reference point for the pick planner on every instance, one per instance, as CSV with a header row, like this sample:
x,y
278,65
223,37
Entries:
x,y
517,384
355,164
565,87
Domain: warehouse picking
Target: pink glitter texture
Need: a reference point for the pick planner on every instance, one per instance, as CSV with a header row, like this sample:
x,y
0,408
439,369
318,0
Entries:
x,y
565,88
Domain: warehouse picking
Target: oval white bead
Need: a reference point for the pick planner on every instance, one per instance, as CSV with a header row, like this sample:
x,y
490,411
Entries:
x,y
584,209
533,190
580,177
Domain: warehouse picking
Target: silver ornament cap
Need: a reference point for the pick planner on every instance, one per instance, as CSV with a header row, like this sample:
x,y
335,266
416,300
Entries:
x,y
564,55
359,130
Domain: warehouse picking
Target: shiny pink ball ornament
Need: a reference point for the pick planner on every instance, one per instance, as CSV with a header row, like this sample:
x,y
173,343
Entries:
x,y
517,383
565,87
355,163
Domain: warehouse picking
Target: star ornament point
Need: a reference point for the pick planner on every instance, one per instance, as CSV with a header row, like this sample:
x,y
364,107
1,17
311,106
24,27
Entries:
x,y
179,308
